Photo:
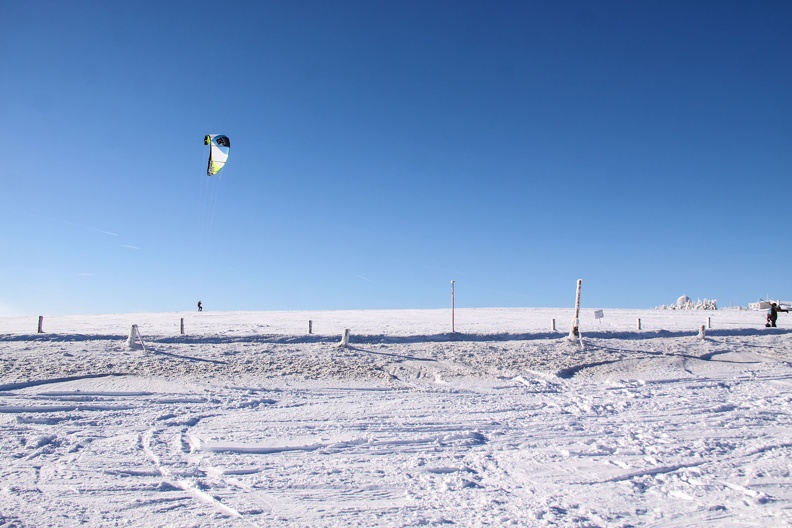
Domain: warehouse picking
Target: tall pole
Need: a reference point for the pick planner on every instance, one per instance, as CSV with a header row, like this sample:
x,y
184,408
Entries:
x,y
574,332
452,307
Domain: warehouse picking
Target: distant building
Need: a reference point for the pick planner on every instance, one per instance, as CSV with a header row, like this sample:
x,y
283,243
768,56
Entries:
x,y
764,305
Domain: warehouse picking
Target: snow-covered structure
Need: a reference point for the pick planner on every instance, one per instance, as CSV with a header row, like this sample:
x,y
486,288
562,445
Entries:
x,y
764,305
686,303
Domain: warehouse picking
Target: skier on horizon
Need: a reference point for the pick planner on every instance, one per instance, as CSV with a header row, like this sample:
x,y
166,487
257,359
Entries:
x,y
200,307
772,314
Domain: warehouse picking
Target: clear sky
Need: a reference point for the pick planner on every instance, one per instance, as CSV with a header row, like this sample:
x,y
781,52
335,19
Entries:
x,y
381,149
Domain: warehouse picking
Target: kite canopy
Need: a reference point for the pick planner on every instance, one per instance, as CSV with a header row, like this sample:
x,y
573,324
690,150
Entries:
x,y
218,152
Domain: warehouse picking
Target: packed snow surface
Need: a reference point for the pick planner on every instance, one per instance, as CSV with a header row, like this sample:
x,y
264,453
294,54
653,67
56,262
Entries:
x,y
250,420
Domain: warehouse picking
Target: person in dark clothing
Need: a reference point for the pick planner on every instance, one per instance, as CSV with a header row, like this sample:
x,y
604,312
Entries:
x,y
200,307
772,314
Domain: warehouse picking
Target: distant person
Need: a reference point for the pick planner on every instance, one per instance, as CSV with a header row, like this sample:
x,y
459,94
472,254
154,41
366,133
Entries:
x,y
772,314
200,307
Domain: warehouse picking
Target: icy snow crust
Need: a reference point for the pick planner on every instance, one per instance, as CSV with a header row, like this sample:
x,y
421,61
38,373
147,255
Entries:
x,y
248,420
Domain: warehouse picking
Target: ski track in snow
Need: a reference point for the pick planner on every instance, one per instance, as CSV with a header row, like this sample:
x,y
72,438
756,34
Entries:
x,y
504,424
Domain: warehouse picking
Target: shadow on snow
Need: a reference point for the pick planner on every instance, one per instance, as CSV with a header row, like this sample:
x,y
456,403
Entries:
x,y
388,339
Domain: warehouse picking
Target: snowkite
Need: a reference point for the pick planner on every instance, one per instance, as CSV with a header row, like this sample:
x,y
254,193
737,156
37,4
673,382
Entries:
x,y
219,145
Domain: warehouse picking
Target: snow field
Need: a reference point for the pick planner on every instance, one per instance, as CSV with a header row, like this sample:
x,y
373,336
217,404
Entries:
x,y
249,421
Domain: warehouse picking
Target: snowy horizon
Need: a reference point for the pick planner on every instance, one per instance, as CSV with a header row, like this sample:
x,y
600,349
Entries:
x,y
671,303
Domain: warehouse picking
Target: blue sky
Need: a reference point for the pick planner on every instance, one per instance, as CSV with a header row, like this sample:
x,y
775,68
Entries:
x,y
380,150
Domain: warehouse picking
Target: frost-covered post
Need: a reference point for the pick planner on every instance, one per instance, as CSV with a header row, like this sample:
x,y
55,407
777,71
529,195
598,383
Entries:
x,y
552,326
181,326
344,338
574,331
452,307
41,324
702,332
132,340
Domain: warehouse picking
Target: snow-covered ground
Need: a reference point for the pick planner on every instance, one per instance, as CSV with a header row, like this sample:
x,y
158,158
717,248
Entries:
x,y
249,420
